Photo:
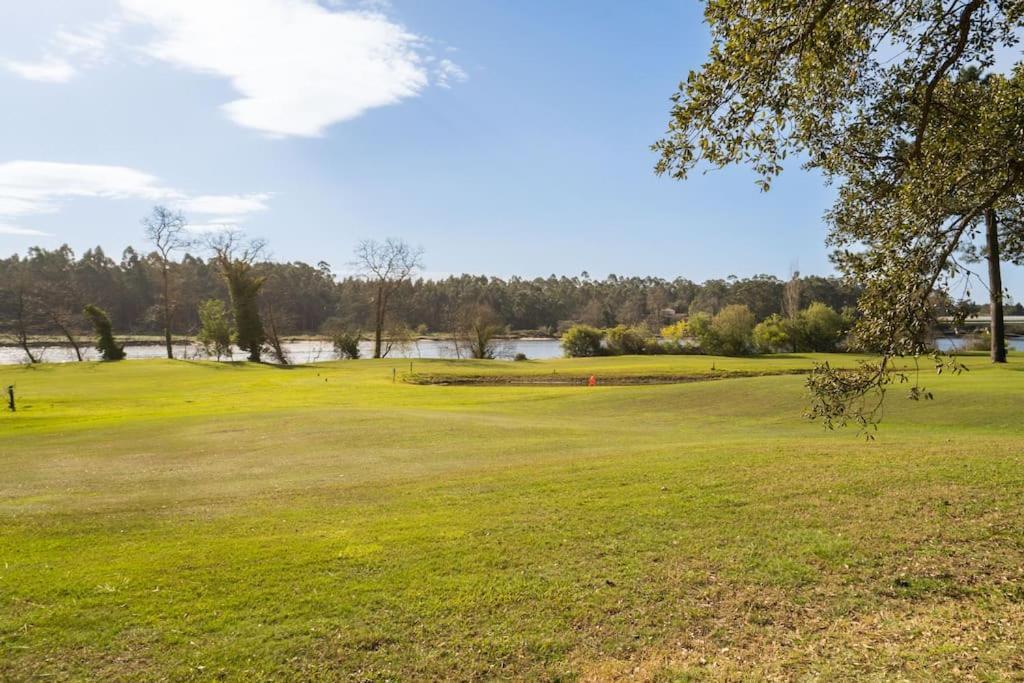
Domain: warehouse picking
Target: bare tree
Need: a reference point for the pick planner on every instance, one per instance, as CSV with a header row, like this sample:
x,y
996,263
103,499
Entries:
x,y
54,295
166,229
22,318
478,332
387,264
791,294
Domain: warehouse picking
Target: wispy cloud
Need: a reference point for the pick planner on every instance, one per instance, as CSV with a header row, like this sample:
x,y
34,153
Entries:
x,y
226,205
9,229
47,70
298,66
67,52
449,72
39,187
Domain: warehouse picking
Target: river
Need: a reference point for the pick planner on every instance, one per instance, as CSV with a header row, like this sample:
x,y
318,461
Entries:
x,y
312,351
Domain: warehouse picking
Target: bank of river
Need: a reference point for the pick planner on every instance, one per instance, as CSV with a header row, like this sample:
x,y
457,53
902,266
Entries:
x,y
298,351
313,350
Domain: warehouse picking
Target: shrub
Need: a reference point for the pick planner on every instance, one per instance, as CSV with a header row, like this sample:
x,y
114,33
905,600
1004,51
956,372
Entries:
x,y
821,328
626,341
676,331
105,343
582,341
346,345
771,335
215,329
478,331
734,326
700,329
519,357
730,333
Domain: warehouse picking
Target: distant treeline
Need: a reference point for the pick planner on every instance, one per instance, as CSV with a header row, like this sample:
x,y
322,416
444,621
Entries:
x,y
310,299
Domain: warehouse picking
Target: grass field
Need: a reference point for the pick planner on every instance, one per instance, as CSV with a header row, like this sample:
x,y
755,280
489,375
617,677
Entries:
x,y
165,520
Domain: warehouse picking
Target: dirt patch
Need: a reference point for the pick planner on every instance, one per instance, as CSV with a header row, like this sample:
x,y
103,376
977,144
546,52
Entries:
x,y
556,379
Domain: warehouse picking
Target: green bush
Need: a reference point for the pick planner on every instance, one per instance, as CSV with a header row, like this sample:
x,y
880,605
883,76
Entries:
x,y
105,343
821,328
215,329
730,333
771,335
346,345
582,341
816,328
626,341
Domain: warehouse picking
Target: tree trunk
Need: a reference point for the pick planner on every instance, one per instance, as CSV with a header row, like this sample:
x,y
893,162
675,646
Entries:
x,y
70,337
167,311
23,341
995,286
378,332
23,330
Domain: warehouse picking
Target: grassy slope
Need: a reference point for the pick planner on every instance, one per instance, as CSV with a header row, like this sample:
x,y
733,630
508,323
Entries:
x,y
174,519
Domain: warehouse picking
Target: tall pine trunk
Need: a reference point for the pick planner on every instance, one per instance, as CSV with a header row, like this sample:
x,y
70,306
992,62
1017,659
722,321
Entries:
x,y
995,286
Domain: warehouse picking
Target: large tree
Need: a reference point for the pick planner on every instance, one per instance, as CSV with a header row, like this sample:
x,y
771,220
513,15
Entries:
x,y
166,230
237,262
387,265
866,92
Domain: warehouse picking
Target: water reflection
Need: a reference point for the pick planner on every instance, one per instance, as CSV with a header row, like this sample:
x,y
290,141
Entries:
x,y
303,351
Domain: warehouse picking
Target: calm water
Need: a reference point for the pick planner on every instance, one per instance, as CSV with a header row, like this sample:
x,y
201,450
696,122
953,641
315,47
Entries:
x,y
298,351
315,351
954,343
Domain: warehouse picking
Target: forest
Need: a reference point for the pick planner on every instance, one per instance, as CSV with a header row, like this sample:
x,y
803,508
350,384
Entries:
x,y
53,286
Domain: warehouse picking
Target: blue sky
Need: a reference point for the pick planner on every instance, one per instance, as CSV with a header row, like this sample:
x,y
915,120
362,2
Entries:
x,y
505,137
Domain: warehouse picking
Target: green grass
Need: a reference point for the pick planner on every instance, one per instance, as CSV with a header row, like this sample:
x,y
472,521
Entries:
x,y
176,520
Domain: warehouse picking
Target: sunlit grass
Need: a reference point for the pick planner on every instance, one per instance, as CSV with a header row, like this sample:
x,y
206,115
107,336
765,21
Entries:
x,y
174,520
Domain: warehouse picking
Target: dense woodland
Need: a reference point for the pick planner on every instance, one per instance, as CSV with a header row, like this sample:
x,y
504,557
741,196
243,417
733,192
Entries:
x,y
53,286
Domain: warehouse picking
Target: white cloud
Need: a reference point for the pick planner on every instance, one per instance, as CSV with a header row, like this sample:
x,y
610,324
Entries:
x,y
86,46
447,72
298,66
229,224
89,44
48,70
37,187
226,205
28,187
8,229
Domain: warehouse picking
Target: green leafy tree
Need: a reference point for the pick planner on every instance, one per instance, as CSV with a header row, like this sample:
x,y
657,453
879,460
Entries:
x,y
582,341
105,343
733,329
701,329
867,93
215,329
237,267
771,334
822,328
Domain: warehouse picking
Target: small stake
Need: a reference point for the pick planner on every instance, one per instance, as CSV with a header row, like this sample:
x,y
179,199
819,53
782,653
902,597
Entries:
x,y
10,397
393,372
